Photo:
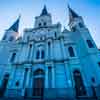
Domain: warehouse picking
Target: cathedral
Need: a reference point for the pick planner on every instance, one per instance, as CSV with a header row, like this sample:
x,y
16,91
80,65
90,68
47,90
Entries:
x,y
48,63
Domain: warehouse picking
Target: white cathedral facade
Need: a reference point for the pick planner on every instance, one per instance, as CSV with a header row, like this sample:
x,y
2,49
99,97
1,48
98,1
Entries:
x,y
48,62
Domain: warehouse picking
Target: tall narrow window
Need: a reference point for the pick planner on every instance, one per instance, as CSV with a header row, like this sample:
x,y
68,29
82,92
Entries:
x,y
13,57
79,86
71,51
50,76
49,48
55,34
42,54
90,44
49,44
30,50
38,54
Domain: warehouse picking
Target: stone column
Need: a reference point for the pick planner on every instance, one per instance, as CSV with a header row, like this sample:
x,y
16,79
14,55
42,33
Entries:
x,y
53,76
63,48
52,51
46,77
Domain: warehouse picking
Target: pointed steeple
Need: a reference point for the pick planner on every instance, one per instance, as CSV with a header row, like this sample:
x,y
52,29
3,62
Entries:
x,y
72,14
44,11
15,26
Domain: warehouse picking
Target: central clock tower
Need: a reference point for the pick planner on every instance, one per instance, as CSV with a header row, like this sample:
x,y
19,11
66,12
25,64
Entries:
x,y
44,20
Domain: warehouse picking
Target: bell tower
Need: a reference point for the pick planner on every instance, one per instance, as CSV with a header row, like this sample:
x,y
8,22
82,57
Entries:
x,y
75,21
12,33
44,20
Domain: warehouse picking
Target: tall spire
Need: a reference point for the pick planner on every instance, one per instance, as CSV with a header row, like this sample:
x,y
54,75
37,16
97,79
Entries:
x,y
72,14
15,26
44,11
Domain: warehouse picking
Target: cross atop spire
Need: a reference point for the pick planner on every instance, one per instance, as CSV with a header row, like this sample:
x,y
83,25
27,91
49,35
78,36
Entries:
x,y
72,14
44,11
15,26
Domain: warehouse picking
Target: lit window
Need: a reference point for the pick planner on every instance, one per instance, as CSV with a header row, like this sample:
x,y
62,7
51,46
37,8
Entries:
x,y
90,45
71,51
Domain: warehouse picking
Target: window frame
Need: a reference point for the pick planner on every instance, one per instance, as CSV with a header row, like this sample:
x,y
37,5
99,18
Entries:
x,y
71,51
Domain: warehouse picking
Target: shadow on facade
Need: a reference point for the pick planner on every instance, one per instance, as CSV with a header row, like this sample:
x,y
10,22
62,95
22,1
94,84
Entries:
x,y
92,93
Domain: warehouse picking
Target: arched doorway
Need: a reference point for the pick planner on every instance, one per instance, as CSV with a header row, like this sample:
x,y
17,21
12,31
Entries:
x,y
4,85
38,83
79,85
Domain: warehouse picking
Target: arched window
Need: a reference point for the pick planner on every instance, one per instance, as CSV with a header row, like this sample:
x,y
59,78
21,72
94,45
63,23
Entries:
x,y
13,57
71,52
90,44
81,25
11,38
38,54
39,24
45,23
49,44
42,54
73,29
79,86
39,72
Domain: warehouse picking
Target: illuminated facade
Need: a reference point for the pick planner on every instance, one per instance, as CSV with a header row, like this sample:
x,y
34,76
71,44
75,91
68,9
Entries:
x,y
47,62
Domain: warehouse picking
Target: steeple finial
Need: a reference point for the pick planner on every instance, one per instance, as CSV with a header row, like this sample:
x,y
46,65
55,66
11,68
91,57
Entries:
x,y
15,26
44,11
72,14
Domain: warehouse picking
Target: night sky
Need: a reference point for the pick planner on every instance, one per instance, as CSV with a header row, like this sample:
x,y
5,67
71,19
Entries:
x,y
88,9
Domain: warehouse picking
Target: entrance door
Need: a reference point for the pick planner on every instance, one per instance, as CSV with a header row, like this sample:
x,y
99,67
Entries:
x,y
38,87
79,86
4,85
38,83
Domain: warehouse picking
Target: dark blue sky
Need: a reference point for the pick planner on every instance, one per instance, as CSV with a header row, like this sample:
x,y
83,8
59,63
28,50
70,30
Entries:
x,y
88,9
